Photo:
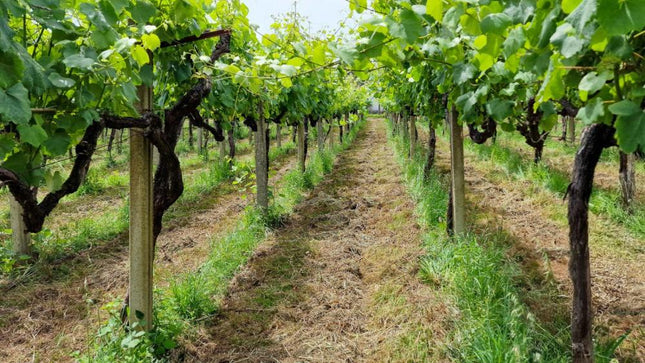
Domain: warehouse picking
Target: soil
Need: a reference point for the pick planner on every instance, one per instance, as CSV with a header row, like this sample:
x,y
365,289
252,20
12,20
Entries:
x,y
337,283
50,318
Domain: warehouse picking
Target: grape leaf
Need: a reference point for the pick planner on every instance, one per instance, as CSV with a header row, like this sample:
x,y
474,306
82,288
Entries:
x,y
79,61
11,69
15,105
592,111
499,109
630,132
59,81
624,108
621,16
434,8
495,23
34,135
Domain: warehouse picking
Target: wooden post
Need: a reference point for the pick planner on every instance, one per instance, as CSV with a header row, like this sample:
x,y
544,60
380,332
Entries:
x,y
413,136
331,133
571,133
278,135
406,126
222,150
20,237
321,136
301,146
627,178
261,162
141,245
457,169
200,141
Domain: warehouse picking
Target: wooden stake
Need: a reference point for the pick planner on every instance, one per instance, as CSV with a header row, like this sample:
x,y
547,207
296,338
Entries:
x,y
262,162
320,132
413,136
141,245
457,168
301,146
20,237
571,133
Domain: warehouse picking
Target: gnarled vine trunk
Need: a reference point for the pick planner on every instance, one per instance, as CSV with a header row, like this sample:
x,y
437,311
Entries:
x,y
595,140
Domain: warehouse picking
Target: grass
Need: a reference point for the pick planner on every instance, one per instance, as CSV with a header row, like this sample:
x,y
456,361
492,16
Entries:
x,y
477,277
196,295
602,202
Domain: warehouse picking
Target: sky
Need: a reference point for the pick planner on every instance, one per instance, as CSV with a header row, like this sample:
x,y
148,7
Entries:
x,y
321,13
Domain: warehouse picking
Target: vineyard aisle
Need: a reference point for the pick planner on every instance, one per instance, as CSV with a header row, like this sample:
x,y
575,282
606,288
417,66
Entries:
x,y
339,281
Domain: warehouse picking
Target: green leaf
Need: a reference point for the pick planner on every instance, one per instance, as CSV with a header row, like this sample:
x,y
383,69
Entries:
x,y
568,44
7,144
11,69
286,82
142,11
593,81
34,135
58,143
582,15
569,5
358,5
624,108
79,61
61,82
140,55
553,86
630,132
182,10
495,23
621,16
548,27
434,8
53,180
514,41
599,40
619,47
150,41
319,54
411,23
15,105
463,72
466,102
484,61
592,111
480,41
499,109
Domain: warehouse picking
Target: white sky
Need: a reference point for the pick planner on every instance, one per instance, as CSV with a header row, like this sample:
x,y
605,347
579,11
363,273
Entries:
x,y
321,13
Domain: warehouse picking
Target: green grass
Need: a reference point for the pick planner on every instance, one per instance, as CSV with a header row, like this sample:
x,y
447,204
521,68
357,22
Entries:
x,y
197,294
478,278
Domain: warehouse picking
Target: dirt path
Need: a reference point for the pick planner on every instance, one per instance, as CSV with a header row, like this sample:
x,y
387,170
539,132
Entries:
x,y
338,282
48,319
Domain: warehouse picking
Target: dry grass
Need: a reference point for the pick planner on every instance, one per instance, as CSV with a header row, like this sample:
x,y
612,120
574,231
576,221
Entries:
x,y
338,283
